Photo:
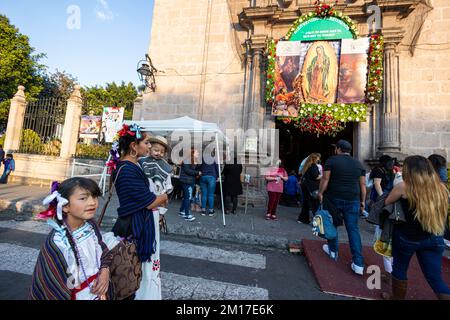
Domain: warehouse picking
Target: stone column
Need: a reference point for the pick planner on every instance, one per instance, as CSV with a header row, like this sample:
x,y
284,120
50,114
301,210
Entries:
x,y
71,124
255,102
138,108
390,107
15,120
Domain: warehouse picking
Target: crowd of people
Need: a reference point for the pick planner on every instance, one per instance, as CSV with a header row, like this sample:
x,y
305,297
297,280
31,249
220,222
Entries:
x,y
419,187
75,251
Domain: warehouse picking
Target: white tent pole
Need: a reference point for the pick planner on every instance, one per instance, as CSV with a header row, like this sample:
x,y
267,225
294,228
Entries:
x,y
220,178
102,182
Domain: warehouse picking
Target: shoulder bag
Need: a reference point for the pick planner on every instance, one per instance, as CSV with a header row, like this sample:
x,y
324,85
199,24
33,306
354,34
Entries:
x,y
125,269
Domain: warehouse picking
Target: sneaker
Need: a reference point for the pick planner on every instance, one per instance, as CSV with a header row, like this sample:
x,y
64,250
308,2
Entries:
x,y
181,214
189,218
447,243
357,269
268,216
331,254
364,214
274,218
211,213
203,212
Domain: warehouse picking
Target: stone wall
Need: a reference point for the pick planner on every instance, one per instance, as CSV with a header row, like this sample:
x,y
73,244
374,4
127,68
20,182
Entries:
x,y
42,170
425,86
194,44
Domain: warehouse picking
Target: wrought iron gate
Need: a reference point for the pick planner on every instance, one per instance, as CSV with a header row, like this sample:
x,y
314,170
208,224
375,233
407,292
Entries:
x,y
43,126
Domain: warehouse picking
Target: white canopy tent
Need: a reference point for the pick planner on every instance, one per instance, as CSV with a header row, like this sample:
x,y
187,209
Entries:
x,y
164,127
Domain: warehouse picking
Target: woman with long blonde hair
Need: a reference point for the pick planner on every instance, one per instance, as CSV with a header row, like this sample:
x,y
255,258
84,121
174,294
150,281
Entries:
x,y
425,203
310,183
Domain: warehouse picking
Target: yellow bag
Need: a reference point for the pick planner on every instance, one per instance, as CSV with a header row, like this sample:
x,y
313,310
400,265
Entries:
x,y
383,248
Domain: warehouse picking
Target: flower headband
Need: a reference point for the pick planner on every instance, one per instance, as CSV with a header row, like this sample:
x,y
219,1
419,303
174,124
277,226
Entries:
x,y
133,130
55,204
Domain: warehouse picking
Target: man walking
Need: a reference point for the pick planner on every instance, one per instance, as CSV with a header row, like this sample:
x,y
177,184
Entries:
x,y
343,183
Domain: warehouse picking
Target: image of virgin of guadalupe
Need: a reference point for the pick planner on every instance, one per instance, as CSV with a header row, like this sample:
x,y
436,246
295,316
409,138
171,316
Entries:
x,y
320,71
317,75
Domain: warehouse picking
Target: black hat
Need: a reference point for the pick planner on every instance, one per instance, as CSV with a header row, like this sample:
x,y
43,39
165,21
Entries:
x,y
344,145
385,159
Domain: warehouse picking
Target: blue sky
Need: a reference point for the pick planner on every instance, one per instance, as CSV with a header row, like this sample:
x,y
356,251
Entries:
x,y
103,45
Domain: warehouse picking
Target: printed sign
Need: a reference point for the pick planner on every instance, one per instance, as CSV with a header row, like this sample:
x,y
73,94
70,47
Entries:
x,y
111,123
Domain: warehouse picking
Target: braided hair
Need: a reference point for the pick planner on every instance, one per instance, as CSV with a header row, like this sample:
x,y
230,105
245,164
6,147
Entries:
x,y
66,189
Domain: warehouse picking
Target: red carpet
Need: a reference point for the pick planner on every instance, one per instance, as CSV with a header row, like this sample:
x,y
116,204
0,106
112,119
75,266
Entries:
x,y
337,277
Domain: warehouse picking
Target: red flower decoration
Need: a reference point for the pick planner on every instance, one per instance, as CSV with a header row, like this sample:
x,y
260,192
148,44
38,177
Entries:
x,y
126,130
47,214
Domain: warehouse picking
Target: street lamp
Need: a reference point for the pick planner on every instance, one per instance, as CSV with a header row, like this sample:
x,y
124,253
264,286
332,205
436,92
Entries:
x,y
146,72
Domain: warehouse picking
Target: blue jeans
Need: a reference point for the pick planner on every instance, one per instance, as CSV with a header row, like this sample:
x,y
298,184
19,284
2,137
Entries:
x,y
429,253
187,196
350,211
208,187
4,177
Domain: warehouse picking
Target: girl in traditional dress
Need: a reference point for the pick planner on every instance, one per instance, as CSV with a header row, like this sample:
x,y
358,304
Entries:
x,y
74,261
137,219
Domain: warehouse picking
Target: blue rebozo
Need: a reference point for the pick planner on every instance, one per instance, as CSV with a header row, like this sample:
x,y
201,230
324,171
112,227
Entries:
x,y
323,225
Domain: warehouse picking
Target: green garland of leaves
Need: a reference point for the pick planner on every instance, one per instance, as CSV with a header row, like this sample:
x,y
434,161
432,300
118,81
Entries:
x,y
330,118
375,82
271,60
342,112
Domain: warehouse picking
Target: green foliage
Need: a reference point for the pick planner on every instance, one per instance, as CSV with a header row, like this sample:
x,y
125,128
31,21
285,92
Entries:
x,y
93,151
112,95
18,66
31,142
2,140
58,84
52,148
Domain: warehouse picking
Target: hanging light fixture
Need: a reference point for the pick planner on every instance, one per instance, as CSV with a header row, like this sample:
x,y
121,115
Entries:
x,y
146,72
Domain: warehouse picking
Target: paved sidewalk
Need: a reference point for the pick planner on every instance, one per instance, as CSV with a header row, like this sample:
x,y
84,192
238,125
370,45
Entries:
x,y
250,228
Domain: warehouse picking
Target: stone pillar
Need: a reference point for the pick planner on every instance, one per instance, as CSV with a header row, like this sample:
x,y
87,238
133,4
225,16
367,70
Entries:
x,y
255,101
247,88
72,124
365,136
138,108
390,107
15,120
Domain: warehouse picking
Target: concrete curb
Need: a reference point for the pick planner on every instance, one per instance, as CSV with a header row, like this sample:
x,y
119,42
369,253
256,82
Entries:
x,y
21,207
220,234
178,229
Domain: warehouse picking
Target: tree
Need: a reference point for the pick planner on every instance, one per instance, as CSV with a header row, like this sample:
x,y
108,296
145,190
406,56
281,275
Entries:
x,y
18,66
58,84
112,95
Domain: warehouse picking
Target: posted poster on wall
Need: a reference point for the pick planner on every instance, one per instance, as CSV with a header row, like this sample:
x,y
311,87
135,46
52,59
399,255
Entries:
x,y
287,68
90,126
353,71
111,123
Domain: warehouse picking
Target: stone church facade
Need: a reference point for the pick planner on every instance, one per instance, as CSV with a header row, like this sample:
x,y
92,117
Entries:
x,y
211,54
